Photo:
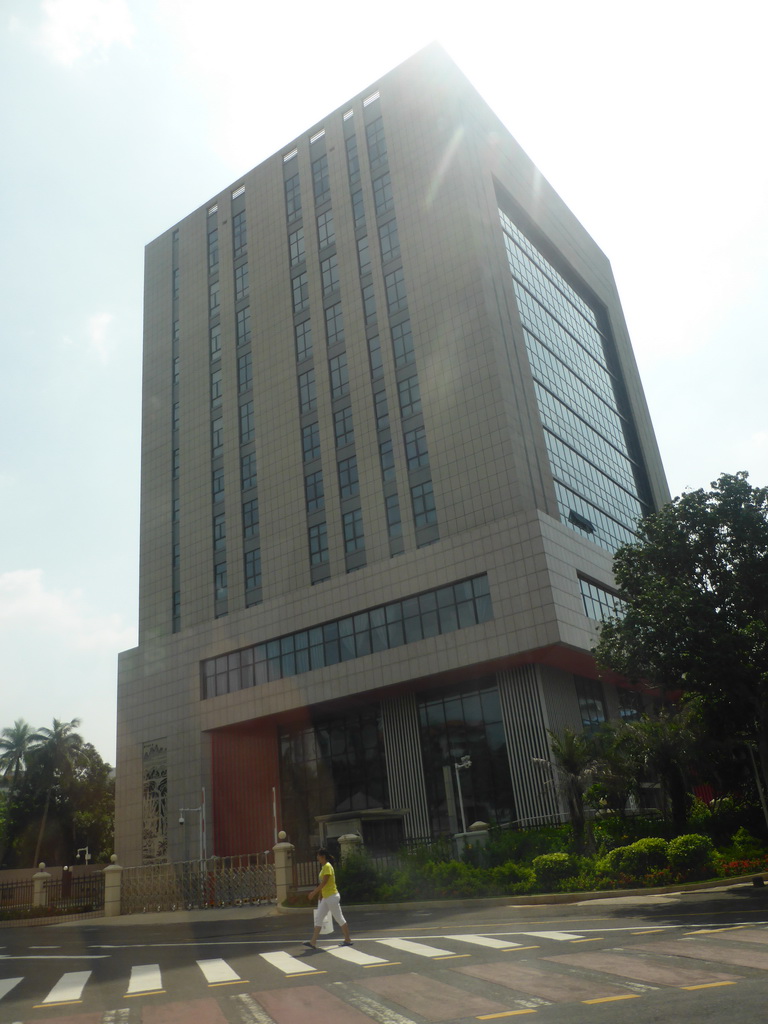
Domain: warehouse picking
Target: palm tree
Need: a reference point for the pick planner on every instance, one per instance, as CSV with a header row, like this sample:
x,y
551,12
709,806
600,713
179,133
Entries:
x,y
667,744
572,768
57,749
16,742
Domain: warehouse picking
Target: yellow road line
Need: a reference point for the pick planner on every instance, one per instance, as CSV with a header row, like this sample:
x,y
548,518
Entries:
x,y
507,1013
712,984
611,999
149,992
219,984
71,1002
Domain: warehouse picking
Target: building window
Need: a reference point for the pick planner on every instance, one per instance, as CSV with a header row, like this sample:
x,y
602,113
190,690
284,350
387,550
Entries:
x,y
382,410
303,333
402,343
252,567
243,326
239,235
296,246
313,487
248,477
396,297
245,372
213,249
589,693
175,284
217,437
292,198
410,396
353,160
352,525
318,544
251,517
218,484
358,209
343,428
219,532
321,182
431,613
215,340
214,298
394,523
334,324
599,602
175,460
387,459
369,305
247,423
339,374
220,580
348,479
241,282
176,373
377,146
175,416
383,200
310,441
300,287
416,452
307,391
390,242
423,501
363,255
217,389
329,270
326,235
175,510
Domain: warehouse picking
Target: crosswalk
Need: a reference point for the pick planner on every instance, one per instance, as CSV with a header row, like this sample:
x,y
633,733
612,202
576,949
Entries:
x,y
455,952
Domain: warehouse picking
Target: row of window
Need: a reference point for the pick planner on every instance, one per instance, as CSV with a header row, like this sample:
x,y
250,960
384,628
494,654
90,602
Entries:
x,y
432,613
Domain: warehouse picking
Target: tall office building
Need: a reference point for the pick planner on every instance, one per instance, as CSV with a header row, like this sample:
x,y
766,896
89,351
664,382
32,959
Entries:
x,y
393,432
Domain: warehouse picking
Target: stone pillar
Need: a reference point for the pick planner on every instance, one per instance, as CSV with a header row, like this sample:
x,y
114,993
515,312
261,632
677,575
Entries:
x,y
283,851
350,843
40,881
113,875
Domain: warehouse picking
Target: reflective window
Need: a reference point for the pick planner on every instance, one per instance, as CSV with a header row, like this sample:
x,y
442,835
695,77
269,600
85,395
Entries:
x,y
318,544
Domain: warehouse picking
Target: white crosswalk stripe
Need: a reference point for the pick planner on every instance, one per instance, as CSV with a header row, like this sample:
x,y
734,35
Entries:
x,y
417,948
484,940
558,936
355,956
6,984
288,964
145,978
218,972
68,989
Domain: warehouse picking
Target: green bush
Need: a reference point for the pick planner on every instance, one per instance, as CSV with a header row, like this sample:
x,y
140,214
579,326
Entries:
x,y
744,844
551,868
522,845
692,854
359,880
638,858
513,879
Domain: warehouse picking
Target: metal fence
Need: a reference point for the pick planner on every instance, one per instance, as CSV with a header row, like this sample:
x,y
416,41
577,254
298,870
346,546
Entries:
x,y
191,885
76,894
17,895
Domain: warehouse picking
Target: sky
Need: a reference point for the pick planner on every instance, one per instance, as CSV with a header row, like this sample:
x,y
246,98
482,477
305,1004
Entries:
x,y
119,117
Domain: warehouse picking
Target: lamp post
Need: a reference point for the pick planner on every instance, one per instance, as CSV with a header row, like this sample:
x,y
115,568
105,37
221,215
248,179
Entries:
x,y
200,811
459,766
86,851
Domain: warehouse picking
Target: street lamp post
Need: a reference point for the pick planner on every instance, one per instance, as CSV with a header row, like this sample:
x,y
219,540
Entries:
x,y
459,766
86,851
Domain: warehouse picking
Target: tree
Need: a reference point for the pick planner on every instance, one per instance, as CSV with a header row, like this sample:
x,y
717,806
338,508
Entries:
x,y
572,771
16,742
56,751
695,587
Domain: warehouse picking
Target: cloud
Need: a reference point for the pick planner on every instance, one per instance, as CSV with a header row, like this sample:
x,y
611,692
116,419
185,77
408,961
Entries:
x,y
59,657
74,29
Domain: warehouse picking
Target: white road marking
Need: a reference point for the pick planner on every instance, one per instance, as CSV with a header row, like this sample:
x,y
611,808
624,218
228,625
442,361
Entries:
x,y
559,936
145,978
354,956
6,984
217,972
381,1014
483,940
68,988
417,948
286,963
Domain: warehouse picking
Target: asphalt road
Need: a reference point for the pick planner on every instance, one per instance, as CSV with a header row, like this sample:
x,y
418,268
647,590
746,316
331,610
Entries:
x,y
689,958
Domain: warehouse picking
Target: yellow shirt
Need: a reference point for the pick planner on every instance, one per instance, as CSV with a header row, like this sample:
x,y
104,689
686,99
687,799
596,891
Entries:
x,y
328,879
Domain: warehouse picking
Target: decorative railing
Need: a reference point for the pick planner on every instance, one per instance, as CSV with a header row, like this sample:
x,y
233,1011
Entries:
x,y
192,885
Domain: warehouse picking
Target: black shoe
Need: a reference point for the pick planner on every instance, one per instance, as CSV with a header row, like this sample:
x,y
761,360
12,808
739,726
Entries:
x,y
347,942
309,945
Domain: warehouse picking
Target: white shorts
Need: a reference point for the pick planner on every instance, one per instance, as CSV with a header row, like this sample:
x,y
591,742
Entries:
x,y
329,905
